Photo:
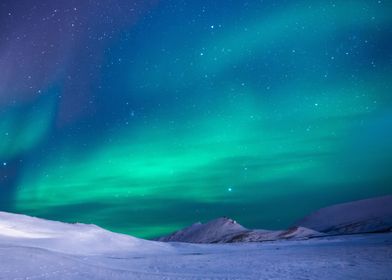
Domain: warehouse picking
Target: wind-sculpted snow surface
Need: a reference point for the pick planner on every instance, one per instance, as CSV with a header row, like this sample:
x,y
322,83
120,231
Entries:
x,y
362,216
32,248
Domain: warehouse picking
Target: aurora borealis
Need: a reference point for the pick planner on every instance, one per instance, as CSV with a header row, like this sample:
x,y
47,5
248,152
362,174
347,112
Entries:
x,y
147,116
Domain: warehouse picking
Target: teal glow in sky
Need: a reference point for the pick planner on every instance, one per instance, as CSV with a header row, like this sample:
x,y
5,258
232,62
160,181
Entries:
x,y
146,116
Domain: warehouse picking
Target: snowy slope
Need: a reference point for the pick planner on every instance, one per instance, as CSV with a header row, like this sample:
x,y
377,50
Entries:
x,y
368,215
294,233
68,238
225,230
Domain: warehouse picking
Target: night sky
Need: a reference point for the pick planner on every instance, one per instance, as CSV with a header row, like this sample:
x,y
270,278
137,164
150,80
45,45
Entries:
x,y
147,116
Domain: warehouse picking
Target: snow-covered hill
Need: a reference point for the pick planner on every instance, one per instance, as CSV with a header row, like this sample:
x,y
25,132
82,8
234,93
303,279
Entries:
x,y
294,233
363,216
368,215
69,238
225,230
212,232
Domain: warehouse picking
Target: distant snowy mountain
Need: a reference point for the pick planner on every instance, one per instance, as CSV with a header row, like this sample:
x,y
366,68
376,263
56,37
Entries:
x,y
77,238
295,233
225,230
211,232
362,216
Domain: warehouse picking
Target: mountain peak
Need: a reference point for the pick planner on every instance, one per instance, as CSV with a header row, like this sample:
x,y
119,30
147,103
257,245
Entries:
x,y
209,232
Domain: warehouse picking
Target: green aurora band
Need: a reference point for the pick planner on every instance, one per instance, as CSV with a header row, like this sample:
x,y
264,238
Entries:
x,y
261,121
